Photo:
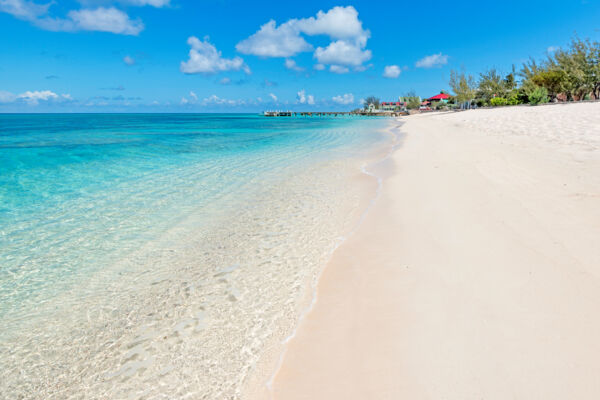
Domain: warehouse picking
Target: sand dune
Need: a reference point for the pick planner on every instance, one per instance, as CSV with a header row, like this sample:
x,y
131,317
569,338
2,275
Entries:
x,y
477,273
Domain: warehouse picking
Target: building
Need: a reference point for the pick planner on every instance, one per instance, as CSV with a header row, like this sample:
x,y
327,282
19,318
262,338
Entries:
x,y
393,106
444,97
371,108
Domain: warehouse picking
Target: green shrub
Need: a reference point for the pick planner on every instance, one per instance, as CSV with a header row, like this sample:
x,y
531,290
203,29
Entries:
x,y
498,101
539,95
513,98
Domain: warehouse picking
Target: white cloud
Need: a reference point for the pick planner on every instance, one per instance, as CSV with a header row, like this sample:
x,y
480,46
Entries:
x,y
192,100
273,96
6,97
291,64
319,67
391,71
341,24
105,20
34,97
206,59
434,60
23,9
133,3
214,99
347,98
128,60
337,23
552,49
225,81
342,52
303,98
153,3
274,41
339,69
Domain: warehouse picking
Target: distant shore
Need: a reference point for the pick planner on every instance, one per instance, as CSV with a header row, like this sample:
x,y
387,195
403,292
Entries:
x,y
476,273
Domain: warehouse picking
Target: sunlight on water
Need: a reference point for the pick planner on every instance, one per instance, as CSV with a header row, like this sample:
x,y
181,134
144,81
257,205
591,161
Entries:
x,y
152,254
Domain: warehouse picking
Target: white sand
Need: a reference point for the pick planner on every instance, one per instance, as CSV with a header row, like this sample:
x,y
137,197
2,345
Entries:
x,y
477,273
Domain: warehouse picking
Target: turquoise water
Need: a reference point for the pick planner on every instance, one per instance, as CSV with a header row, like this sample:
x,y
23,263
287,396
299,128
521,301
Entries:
x,y
80,194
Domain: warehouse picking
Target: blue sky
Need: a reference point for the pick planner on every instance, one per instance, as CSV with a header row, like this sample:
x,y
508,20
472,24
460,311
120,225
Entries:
x,y
227,56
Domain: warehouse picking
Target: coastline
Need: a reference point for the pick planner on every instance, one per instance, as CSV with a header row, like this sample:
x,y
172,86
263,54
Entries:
x,y
259,384
475,273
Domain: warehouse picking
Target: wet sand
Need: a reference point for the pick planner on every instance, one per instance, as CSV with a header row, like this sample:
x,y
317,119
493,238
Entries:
x,y
476,275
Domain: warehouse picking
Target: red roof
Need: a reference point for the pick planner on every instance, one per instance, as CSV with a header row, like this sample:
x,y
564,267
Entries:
x,y
441,96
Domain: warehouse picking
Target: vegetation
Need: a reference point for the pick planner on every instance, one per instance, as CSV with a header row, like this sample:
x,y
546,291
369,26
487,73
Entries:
x,y
571,74
412,100
462,85
371,100
539,95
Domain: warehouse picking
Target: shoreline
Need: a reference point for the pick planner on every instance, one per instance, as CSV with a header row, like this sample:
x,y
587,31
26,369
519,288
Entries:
x,y
469,260
272,360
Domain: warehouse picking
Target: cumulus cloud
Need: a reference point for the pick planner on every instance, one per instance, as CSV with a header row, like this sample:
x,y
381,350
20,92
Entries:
x,y
134,3
104,19
291,64
303,98
319,67
342,52
214,99
273,97
434,60
338,23
128,60
552,49
225,81
341,24
34,97
347,98
206,59
391,71
274,41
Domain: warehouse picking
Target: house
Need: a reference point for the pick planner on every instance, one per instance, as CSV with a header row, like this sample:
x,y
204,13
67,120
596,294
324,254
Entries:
x,y
371,108
393,106
444,97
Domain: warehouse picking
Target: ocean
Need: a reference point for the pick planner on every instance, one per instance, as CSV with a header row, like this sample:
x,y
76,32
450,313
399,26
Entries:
x,y
163,255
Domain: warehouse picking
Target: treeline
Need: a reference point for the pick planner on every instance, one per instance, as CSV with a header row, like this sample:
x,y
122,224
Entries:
x,y
570,74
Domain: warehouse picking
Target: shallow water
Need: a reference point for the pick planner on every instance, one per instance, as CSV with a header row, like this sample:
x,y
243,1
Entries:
x,y
155,256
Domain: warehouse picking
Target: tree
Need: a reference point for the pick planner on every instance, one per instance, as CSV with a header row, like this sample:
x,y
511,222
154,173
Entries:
x,y
490,86
413,101
371,100
555,81
462,85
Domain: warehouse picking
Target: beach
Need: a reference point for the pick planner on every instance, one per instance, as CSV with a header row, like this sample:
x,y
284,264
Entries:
x,y
474,275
